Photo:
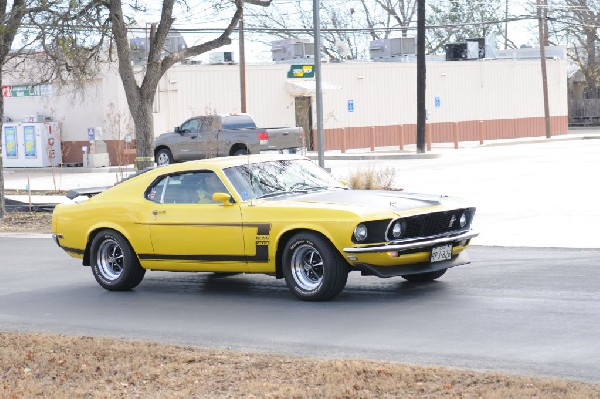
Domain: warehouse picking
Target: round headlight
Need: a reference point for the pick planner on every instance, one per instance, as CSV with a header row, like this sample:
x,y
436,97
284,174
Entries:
x,y
463,219
397,230
360,232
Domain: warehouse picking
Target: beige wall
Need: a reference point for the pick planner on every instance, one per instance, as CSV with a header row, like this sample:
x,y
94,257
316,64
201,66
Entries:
x,y
384,94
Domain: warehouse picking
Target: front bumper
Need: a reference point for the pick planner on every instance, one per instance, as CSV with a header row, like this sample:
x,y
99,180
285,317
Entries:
x,y
405,270
420,244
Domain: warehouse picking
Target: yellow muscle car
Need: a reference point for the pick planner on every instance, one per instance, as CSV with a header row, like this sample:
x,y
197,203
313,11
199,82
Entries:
x,y
280,215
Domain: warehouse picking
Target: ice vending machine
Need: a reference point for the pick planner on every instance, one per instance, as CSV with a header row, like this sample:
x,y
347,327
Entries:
x,y
31,144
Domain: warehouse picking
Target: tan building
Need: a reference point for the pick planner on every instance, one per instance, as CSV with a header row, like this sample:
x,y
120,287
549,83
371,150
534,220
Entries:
x,y
365,103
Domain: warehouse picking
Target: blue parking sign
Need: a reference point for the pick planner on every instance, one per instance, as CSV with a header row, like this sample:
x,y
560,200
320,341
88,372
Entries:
x,y
438,102
350,105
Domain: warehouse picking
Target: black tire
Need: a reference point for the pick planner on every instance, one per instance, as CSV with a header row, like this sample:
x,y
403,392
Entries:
x,y
164,157
241,151
424,277
313,269
114,263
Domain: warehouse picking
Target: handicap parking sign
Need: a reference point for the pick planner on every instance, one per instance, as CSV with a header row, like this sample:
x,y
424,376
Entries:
x,y
350,105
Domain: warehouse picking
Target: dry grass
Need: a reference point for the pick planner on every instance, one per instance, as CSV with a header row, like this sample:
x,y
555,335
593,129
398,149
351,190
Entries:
x,y
373,178
36,365
38,222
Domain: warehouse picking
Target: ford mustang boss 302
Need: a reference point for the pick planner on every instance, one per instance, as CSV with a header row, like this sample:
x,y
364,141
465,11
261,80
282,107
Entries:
x,y
280,215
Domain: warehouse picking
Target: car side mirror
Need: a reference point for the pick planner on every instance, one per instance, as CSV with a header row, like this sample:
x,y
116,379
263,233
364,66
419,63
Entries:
x,y
224,198
177,129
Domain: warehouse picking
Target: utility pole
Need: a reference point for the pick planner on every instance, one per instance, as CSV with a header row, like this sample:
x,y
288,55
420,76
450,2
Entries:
x,y
421,77
542,14
319,94
506,25
242,64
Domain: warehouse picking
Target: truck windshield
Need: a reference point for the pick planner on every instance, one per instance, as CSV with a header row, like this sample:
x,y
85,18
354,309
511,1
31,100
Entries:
x,y
273,178
238,122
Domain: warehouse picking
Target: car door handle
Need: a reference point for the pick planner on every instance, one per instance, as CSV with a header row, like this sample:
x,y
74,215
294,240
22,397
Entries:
x,y
156,212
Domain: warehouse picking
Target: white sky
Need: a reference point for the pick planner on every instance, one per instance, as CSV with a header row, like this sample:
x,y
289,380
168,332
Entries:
x,y
203,16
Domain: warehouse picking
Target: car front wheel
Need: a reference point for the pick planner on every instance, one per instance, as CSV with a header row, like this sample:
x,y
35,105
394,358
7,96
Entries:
x,y
313,269
164,157
114,263
424,277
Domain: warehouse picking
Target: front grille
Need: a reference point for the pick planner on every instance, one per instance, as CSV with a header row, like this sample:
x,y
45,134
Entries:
x,y
438,223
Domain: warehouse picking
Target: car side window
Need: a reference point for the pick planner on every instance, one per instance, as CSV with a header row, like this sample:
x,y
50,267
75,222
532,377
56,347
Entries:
x,y
190,126
187,188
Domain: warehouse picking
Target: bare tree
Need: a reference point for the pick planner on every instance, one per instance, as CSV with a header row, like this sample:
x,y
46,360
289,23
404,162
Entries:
x,y
140,90
295,21
575,23
457,20
401,11
13,16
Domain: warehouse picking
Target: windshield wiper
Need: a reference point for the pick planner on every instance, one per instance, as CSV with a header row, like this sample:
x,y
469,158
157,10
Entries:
x,y
274,194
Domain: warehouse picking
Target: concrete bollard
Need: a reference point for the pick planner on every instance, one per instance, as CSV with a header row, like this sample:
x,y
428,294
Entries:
x,y
401,137
372,139
428,135
455,134
480,132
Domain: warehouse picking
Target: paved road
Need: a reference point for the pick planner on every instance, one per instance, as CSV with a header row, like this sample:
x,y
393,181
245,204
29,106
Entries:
x,y
521,310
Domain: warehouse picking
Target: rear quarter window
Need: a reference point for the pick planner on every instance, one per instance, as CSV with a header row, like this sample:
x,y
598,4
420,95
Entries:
x,y
238,122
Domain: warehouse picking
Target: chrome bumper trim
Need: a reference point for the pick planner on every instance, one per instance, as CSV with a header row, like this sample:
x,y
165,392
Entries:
x,y
413,245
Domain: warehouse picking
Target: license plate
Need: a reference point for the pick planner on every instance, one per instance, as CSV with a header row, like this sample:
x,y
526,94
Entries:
x,y
440,253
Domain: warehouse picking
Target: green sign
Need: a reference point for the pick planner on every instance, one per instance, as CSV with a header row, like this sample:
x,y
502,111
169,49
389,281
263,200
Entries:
x,y
301,71
27,90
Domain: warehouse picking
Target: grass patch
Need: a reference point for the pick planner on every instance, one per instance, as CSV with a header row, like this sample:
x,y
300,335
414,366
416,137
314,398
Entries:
x,y
38,222
39,365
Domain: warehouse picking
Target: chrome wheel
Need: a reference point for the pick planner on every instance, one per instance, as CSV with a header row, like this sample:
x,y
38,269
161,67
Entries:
x,y
312,267
110,259
114,262
307,267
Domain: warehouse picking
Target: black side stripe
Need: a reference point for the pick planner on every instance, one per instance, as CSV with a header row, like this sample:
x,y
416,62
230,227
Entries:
x,y
262,255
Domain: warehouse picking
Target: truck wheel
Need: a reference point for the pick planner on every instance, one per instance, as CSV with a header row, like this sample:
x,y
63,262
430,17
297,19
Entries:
x,y
241,151
114,263
424,277
164,157
313,269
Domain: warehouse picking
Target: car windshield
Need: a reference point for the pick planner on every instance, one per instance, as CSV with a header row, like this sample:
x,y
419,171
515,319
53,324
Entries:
x,y
274,178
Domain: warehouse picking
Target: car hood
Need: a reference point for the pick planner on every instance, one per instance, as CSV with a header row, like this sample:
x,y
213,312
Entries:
x,y
165,137
394,201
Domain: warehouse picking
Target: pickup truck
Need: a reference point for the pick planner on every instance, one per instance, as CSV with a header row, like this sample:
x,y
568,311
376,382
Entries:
x,y
222,135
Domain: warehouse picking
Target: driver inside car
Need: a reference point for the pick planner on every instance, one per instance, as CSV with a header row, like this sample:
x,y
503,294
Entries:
x,y
211,184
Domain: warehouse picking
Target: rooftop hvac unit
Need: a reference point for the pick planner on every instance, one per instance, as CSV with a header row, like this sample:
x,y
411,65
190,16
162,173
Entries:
x,y
139,46
456,51
403,45
480,41
390,48
462,51
291,49
221,57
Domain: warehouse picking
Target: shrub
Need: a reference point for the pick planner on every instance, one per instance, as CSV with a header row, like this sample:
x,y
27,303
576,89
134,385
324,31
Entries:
x,y
372,178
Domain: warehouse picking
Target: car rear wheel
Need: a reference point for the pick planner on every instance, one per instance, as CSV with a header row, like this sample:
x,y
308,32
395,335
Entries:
x,y
114,263
241,151
313,269
424,277
164,157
